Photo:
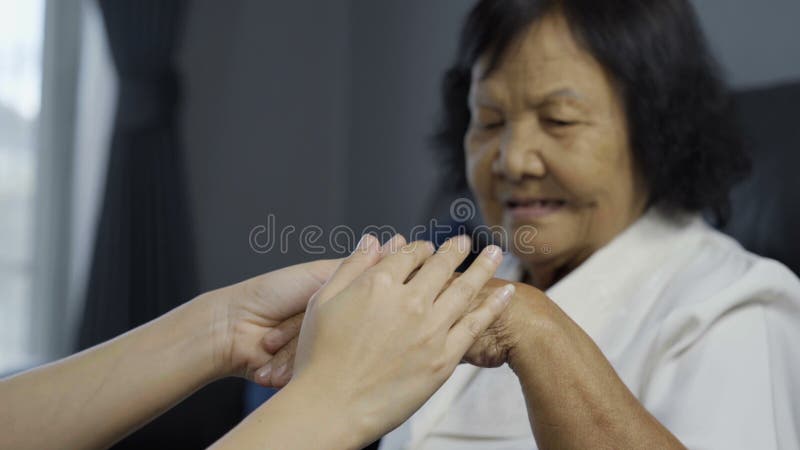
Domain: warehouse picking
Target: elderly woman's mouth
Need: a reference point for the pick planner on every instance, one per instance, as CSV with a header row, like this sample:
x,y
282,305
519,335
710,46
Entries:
x,y
522,209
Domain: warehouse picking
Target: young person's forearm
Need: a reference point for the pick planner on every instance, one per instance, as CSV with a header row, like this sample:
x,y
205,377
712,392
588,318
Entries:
x,y
300,416
98,396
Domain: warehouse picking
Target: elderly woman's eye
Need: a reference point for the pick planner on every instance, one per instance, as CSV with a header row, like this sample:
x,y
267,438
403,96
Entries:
x,y
487,119
487,124
558,122
492,125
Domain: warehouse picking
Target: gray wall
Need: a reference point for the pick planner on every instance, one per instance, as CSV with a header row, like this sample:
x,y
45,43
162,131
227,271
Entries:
x,y
320,112
757,42
400,49
265,126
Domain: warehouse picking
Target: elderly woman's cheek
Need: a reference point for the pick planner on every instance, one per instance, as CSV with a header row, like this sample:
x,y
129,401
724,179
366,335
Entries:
x,y
479,157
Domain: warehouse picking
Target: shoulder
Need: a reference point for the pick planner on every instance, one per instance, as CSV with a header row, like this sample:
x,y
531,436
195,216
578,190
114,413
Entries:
x,y
721,280
719,269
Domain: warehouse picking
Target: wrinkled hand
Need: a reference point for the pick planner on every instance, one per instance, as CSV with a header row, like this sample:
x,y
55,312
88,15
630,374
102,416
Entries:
x,y
495,346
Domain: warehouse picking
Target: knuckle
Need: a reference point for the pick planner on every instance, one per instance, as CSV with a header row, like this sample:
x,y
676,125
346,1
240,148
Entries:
x,y
373,279
416,308
380,279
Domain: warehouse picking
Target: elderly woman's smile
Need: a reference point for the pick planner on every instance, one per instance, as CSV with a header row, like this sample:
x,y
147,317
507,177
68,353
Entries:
x,y
524,207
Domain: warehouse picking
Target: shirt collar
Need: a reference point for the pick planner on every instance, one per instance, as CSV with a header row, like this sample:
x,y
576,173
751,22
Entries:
x,y
606,282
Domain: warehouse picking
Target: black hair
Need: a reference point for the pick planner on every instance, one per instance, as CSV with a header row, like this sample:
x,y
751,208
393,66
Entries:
x,y
682,126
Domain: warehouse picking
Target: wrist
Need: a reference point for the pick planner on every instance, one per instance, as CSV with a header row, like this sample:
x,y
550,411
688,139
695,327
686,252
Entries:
x,y
211,318
337,424
527,325
520,350
301,415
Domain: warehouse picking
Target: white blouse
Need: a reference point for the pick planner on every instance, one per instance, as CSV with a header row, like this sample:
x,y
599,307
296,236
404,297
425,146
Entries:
x,y
705,334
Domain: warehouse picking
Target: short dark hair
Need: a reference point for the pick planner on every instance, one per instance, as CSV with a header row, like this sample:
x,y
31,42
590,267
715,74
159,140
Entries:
x,y
682,125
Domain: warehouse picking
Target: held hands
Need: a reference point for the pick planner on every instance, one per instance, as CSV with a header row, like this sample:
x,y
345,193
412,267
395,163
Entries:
x,y
382,344
257,321
528,309
375,345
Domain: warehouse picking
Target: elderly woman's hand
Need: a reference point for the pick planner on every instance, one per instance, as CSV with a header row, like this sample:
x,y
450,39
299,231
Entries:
x,y
532,320
561,370
495,346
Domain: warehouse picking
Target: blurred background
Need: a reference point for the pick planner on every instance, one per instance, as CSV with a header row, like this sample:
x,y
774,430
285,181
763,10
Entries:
x,y
142,142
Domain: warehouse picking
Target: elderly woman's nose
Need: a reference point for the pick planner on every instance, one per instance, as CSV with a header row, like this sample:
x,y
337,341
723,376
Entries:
x,y
519,156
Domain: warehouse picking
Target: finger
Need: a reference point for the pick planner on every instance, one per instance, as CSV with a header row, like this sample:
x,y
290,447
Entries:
x,y
456,300
263,375
283,364
407,258
279,336
464,333
323,269
432,276
286,377
363,257
392,245
275,370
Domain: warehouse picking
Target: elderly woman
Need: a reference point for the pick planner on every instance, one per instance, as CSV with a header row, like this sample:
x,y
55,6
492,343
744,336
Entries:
x,y
604,125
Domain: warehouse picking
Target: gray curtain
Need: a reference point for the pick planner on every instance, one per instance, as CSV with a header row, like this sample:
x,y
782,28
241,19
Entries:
x,y
143,261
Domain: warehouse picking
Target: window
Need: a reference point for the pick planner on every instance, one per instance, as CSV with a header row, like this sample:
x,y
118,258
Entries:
x,y
21,40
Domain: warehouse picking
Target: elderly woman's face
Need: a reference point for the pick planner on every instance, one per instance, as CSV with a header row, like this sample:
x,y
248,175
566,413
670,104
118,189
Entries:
x,y
548,147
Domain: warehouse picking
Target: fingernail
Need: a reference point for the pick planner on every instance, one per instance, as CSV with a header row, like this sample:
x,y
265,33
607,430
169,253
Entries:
x,y
280,372
505,294
494,252
263,373
366,242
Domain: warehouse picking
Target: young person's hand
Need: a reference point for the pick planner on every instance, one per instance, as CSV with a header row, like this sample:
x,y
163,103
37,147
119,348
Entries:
x,y
244,312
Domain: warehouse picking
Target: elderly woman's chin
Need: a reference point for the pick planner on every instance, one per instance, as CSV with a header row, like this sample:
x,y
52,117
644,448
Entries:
x,y
535,244
541,237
